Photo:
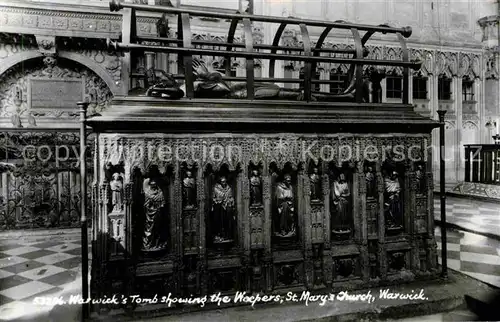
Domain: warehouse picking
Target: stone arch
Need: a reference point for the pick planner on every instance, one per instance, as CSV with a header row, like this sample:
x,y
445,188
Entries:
x,y
13,60
15,102
93,66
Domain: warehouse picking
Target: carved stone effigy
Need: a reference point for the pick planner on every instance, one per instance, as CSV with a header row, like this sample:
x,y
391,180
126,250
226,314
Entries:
x,y
271,195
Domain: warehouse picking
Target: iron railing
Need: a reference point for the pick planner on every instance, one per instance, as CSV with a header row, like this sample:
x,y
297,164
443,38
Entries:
x,y
42,190
311,54
482,163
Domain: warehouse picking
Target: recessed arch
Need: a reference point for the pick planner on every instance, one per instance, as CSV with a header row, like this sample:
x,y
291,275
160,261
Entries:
x,y
13,60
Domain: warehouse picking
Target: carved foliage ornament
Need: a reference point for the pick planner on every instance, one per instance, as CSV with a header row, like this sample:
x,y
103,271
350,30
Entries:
x,y
15,82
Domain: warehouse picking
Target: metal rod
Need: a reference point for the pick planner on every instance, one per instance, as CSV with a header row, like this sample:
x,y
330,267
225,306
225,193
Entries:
x,y
116,5
257,55
256,46
83,209
444,240
260,80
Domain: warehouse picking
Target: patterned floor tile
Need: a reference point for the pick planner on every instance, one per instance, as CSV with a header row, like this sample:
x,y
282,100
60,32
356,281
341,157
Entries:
x,y
23,267
70,263
20,250
65,247
64,277
47,244
4,245
482,268
4,300
54,258
37,254
479,249
480,258
25,290
11,260
49,293
12,281
4,274
42,272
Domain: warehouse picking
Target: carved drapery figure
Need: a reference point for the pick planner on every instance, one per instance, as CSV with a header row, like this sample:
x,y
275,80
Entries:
x,y
209,84
340,197
255,188
285,220
315,182
116,186
223,220
393,211
420,177
189,191
154,206
371,183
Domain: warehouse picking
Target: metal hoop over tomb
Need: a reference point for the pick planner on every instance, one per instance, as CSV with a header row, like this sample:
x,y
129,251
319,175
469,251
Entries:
x,y
310,54
213,182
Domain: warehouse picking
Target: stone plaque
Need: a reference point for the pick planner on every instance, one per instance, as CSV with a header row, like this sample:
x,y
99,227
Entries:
x,y
49,93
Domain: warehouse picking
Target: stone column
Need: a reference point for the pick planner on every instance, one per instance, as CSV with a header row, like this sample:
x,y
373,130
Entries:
x,y
490,29
457,91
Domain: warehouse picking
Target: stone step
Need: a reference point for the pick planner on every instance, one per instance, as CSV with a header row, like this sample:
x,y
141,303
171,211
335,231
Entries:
x,y
441,296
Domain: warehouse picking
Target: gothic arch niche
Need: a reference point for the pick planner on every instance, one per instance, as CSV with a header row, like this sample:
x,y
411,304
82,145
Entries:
x,y
315,172
285,229
189,202
28,90
451,146
393,173
223,191
255,172
372,197
153,213
341,201
469,133
114,174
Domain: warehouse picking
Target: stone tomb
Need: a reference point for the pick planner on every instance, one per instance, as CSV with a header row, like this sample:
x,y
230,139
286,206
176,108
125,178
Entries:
x,y
193,205
224,184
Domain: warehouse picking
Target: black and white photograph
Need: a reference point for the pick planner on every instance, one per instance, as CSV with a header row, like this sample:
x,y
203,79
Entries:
x,y
249,160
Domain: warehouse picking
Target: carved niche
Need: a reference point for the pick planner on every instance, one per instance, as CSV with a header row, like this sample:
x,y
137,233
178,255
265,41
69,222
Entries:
x,y
285,225
393,176
341,202
221,184
25,87
256,193
152,212
190,206
115,205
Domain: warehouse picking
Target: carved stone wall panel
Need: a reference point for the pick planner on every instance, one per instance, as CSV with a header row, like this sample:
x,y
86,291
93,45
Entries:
x,y
257,239
15,89
103,25
312,263
288,275
372,210
421,216
317,224
346,268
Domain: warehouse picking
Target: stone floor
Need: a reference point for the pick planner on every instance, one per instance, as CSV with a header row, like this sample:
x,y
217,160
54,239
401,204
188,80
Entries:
x,y
49,263
475,216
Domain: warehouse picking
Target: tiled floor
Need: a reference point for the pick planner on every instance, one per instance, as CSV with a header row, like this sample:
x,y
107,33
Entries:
x,y
31,267
474,215
472,254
